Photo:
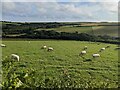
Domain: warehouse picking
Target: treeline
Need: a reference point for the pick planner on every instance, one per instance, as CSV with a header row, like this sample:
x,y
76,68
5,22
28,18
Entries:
x,y
43,34
29,30
21,26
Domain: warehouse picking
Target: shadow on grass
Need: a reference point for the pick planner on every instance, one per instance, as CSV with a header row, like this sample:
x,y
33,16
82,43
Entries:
x,y
87,60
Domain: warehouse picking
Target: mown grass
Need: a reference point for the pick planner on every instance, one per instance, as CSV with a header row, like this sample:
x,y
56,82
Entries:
x,y
50,67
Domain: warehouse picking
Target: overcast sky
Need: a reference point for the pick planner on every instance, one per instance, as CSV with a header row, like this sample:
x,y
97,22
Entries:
x,y
60,10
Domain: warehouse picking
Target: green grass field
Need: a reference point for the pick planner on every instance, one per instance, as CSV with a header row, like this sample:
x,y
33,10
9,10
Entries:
x,y
52,67
106,30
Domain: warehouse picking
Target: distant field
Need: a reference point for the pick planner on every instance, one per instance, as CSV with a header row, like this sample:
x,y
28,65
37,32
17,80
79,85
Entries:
x,y
106,30
70,29
49,66
97,30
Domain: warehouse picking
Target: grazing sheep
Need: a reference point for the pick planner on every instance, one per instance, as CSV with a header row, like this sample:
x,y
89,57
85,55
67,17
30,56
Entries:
x,y
44,47
83,53
85,47
15,57
102,49
50,49
3,45
96,55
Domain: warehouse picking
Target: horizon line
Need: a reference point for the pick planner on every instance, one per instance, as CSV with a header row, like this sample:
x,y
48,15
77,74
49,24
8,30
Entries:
x,y
55,21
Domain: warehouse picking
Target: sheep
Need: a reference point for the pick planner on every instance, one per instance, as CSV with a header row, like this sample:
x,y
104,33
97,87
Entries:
x,y
85,48
96,55
83,53
15,57
3,45
102,49
50,49
44,47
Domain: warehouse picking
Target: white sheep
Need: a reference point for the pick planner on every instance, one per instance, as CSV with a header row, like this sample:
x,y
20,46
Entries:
x,y
50,49
85,47
83,53
15,57
96,55
102,49
44,47
3,45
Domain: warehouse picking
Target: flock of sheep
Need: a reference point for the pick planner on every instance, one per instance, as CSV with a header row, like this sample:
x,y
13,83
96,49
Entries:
x,y
13,56
95,54
16,57
45,47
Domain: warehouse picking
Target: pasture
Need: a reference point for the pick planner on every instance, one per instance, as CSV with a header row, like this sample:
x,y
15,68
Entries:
x,y
63,67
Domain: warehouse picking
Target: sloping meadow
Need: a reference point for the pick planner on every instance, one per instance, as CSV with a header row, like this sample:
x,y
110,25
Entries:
x,y
60,68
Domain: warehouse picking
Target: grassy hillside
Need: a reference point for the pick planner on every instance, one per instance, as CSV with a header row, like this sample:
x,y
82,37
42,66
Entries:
x,y
106,30
97,30
63,67
101,28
